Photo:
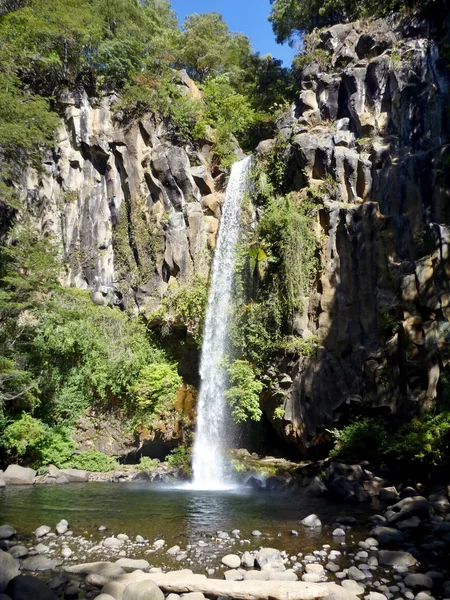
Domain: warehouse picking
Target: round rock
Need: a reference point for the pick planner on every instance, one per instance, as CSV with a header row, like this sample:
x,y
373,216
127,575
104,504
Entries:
x,y
6,532
142,590
232,561
312,521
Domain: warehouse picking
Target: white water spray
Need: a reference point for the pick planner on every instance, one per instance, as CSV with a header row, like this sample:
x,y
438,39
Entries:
x,y
208,458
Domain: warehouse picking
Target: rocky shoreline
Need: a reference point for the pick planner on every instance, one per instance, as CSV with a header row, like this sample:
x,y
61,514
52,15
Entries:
x,y
403,557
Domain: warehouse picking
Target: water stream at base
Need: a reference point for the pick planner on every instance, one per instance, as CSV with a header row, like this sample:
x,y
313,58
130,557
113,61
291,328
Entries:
x,y
208,456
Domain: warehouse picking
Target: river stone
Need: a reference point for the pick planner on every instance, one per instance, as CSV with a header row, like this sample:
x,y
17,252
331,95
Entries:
x,y
105,597
114,588
375,596
353,586
173,596
142,590
66,552
332,567
424,596
159,543
97,581
132,563
312,578
38,563
6,532
9,568
388,536
42,548
62,527
266,555
75,475
232,561
288,575
409,507
414,580
173,550
314,568
256,576
256,533
42,530
18,551
389,495
112,542
274,566
248,560
17,475
234,575
312,521
72,591
25,587
392,558
192,596
140,539
108,569
356,574
338,532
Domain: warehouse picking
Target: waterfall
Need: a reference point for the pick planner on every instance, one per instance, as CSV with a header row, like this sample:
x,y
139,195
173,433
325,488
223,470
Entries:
x,y
208,457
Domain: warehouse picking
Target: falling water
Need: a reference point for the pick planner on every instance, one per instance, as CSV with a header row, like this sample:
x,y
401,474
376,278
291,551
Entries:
x,y
208,459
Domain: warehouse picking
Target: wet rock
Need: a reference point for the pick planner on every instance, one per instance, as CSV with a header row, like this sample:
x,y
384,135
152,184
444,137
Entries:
x,y
16,475
274,566
18,551
140,590
66,553
103,596
266,555
107,569
338,532
9,569
334,568
234,575
409,507
389,495
75,475
356,574
256,533
112,542
6,532
72,591
25,587
42,548
316,488
392,558
38,563
388,536
375,596
232,561
132,563
418,580
248,560
42,530
439,502
353,586
408,492
312,521
62,527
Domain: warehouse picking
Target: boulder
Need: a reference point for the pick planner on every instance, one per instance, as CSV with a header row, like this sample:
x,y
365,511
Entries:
x,y
132,563
356,574
6,532
389,495
107,569
142,590
388,536
311,521
25,587
393,558
316,488
248,560
439,502
353,586
9,568
39,562
266,555
18,551
16,475
418,580
75,475
409,507
232,561
42,530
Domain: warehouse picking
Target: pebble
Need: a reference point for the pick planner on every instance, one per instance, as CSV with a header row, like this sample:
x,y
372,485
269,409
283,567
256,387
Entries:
x,y
338,532
42,530
312,521
66,552
232,561
353,586
256,533
356,574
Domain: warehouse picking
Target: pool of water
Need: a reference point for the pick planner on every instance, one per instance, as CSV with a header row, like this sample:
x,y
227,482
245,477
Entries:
x,y
178,515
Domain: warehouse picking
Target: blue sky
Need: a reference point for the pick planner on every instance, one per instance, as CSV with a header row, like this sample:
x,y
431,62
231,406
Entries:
x,y
243,16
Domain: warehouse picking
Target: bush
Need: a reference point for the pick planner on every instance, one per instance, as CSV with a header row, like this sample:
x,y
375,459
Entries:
x,y
157,387
93,460
22,437
180,457
147,464
243,392
362,440
56,447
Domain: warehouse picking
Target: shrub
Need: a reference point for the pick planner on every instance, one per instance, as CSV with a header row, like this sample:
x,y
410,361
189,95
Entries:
x,y
147,464
180,457
157,387
93,460
22,437
362,440
243,392
56,447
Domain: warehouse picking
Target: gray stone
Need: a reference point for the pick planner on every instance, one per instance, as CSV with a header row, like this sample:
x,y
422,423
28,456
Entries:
x,y
173,550
248,560
112,542
353,586
288,575
234,575
312,521
38,563
256,576
256,533
9,568
388,536
414,580
42,530
375,596
132,563
16,475
232,561
356,574
392,558
25,587
18,551
338,532
312,577
6,532
266,555
389,495
66,552
75,475
106,569
105,597
142,590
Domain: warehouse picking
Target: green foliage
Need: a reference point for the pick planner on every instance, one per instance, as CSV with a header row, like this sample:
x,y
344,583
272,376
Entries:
x,y
243,392
365,439
156,387
93,461
293,17
56,447
278,413
147,464
299,346
22,436
184,305
306,58
180,457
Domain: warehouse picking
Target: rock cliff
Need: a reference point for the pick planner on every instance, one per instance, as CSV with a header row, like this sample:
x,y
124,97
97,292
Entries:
x,y
373,115
130,205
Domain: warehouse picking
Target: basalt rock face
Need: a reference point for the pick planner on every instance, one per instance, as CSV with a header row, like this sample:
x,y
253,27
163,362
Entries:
x,y
373,117
131,206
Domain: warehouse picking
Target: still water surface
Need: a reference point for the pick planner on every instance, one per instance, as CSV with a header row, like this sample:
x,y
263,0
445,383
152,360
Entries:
x,y
177,515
